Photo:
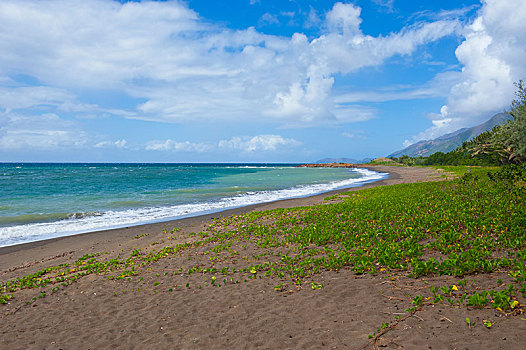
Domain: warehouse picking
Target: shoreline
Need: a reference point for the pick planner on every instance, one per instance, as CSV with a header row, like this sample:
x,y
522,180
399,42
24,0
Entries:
x,y
88,241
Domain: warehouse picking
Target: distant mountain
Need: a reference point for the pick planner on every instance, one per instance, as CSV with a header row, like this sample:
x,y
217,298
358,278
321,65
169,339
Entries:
x,y
343,160
451,141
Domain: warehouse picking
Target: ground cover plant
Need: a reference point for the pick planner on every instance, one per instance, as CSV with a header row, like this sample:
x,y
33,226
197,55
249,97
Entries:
x,y
460,229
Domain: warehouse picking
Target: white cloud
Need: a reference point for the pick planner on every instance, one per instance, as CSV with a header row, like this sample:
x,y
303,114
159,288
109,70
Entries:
x,y
175,146
268,19
388,5
356,134
189,70
245,144
43,132
5,80
459,13
290,14
86,43
492,59
258,143
313,19
120,144
32,96
354,113
344,19
50,99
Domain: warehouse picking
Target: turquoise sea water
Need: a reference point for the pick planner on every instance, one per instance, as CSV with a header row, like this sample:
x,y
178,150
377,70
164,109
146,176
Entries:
x,y
39,201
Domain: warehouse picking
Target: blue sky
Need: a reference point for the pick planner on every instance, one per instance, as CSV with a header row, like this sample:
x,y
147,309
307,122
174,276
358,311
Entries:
x,y
249,80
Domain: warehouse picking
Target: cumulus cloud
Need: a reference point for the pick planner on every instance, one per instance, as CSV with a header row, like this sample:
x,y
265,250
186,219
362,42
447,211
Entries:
x,y
492,58
258,143
183,68
344,19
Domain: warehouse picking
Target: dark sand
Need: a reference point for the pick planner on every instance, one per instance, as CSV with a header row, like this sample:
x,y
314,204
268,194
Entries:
x,y
97,313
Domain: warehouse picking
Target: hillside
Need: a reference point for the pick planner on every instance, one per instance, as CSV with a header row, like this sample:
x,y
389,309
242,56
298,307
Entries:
x,y
451,141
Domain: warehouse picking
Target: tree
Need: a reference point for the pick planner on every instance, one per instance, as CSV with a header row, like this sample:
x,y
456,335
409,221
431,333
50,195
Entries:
x,y
490,146
506,143
515,129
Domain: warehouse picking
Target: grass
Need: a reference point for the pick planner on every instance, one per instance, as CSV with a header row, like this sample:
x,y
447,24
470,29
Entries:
x,y
473,225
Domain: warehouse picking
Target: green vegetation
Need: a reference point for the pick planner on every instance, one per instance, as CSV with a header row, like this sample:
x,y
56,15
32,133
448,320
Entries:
x,y
5,298
504,144
515,131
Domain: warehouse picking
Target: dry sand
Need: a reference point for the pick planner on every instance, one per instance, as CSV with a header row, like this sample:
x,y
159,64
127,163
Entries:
x,y
97,313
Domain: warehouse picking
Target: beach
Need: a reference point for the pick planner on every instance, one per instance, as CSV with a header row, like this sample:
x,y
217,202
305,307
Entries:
x,y
163,307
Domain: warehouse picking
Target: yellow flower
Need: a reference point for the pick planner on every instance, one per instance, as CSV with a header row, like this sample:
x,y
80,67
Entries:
x,y
454,287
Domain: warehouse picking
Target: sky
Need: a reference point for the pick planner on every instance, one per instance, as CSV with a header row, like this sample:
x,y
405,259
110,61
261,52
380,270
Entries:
x,y
249,80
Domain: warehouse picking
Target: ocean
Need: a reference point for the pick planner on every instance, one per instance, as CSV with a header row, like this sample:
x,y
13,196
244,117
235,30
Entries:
x,y
40,201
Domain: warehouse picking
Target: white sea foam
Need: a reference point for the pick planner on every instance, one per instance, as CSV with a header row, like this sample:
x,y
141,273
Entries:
x,y
114,219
